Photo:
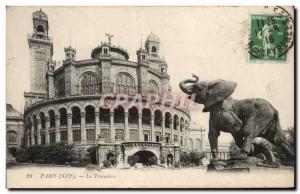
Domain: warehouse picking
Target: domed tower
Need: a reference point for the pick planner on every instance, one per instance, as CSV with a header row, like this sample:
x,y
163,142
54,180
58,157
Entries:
x,y
40,24
142,71
70,71
156,62
41,51
70,54
152,45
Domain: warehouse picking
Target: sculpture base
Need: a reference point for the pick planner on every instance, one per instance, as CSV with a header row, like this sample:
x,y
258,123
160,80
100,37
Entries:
x,y
239,165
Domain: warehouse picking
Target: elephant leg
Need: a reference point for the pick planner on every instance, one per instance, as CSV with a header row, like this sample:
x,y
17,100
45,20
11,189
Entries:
x,y
238,138
213,135
246,147
248,134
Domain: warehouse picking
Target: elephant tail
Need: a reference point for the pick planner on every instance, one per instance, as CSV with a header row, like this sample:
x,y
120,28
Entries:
x,y
280,139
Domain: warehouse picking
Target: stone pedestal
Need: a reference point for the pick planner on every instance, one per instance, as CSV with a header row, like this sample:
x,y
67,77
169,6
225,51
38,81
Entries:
x,y
101,151
239,165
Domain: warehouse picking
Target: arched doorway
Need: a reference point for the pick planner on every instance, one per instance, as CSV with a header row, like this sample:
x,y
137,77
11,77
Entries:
x,y
111,158
170,160
147,158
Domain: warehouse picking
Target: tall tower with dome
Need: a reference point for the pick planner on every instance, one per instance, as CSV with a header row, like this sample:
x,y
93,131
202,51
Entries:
x,y
41,51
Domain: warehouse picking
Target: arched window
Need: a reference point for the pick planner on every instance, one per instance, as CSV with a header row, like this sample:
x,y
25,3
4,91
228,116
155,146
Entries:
x,y
34,122
119,115
90,114
125,84
35,129
168,120
133,115
76,117
42,117
153,87
146,116
181,141
61,87
181,124
40,28
153,49
63,116
51,114
157,118
104,115
28,125
175,122
89,84
186,125
12,137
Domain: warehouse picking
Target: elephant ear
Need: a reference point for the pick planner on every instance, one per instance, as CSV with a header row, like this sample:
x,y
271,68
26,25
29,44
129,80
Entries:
x,y
219,90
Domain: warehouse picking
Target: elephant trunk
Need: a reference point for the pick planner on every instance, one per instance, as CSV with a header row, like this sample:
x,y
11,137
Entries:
x,y
184,87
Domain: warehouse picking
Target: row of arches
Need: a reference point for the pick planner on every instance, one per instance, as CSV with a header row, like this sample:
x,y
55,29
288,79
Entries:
x,y
89,115
90,84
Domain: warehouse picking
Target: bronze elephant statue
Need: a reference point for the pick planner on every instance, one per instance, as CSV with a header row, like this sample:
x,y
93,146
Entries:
x,y
250,121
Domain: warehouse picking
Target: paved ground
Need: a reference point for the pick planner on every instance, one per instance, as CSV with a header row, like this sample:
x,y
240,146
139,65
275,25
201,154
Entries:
x,y
66,177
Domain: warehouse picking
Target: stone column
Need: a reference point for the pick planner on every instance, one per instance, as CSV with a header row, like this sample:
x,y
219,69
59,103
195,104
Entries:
x,y
47,134
82,127
101,155
126,132
176,157
163,127
28,140
97,129
57,123
32,134
69,126
38,131
140,132
172,130
152,128
112,127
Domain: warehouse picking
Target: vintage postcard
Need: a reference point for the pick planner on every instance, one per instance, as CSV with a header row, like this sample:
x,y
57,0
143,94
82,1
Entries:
x,y
150,97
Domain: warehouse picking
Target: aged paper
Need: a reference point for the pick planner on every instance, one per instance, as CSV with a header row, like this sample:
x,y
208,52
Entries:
x,y
150,97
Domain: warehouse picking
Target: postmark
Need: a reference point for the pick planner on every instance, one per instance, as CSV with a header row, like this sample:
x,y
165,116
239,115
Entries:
x,y
271,35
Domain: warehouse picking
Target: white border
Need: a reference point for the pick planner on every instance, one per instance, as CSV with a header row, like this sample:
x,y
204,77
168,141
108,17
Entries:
x,y
5,3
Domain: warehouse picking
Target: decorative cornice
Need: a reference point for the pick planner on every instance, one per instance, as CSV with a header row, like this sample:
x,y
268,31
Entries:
x,y
33,41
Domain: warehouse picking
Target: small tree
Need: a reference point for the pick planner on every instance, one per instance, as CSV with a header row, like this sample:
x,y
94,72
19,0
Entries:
x,y
92,155
196,157
22,156
185,158
12,151
46,154
106,164
153,160
284,158
132,160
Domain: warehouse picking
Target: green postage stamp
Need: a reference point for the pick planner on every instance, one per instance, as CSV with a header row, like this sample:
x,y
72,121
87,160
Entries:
x,y
269,37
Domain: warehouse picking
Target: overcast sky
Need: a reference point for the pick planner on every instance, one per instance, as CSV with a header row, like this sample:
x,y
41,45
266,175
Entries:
x,y
210,42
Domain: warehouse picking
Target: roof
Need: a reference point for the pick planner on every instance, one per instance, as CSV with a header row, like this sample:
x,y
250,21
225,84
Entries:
x,y
96,51
11,111
40,15
153,38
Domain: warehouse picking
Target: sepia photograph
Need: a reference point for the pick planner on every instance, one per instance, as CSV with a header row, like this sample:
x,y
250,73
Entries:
x,y
150,97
